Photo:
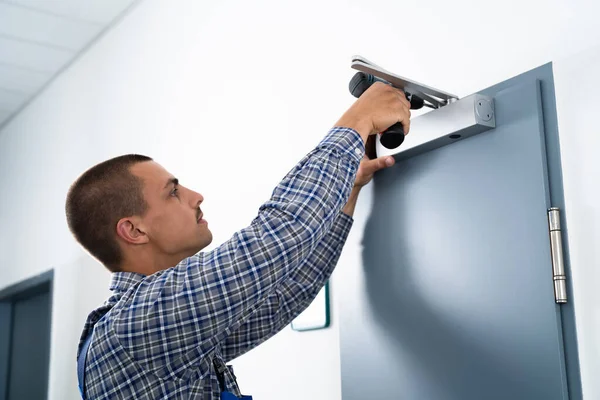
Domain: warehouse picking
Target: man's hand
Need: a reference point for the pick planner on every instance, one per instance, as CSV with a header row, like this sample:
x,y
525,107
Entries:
x,y
378,108
365,173
368,167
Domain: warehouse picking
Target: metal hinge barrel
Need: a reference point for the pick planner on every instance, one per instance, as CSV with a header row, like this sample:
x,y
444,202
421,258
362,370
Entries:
x,y
558,265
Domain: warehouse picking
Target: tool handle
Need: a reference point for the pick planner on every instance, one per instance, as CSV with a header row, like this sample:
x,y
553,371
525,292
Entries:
x,y
393,136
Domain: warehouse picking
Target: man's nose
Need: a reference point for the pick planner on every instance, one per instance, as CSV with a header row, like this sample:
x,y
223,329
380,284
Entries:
x,y
198,198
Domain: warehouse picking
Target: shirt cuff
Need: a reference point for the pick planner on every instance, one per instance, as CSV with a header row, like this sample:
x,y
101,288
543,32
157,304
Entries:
x,y
346,141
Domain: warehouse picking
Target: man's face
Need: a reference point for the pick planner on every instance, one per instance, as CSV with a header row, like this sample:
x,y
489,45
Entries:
x,y
173,222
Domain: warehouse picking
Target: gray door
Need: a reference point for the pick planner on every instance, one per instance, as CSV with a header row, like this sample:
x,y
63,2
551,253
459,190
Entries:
x,y
25,315
454,298
30,349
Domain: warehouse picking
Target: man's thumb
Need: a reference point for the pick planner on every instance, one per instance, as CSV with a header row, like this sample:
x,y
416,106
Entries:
x,y
385,162
381,163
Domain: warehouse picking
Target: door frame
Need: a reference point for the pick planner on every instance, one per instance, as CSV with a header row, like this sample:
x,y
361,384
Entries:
x,y
545,75
25,288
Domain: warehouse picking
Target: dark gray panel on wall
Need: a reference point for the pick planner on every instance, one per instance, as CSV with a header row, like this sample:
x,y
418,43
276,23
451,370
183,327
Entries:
x,y
30,350
5,330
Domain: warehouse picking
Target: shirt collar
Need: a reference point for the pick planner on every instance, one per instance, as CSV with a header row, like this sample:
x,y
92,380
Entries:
x,y
121,281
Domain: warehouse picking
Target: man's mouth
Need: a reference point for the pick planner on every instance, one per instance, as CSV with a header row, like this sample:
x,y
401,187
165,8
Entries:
x,y
200,220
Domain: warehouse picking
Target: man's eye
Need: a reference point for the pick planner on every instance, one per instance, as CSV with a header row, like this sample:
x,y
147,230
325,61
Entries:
x,y
174,192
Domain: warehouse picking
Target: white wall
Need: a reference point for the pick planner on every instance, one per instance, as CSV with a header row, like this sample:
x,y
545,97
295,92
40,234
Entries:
x,y
228,96
577,84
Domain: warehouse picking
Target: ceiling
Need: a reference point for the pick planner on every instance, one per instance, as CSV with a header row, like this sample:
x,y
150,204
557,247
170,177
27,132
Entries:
x,y
39,38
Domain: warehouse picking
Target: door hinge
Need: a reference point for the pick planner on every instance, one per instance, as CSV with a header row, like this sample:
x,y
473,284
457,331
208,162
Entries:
x,y
558,265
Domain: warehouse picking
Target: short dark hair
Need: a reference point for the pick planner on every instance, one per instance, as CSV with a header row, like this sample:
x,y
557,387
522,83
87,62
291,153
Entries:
x,y
98,199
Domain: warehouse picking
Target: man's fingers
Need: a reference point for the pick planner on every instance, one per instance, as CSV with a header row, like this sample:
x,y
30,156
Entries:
x,y
406,120
403,98
406,125
404,110
372,166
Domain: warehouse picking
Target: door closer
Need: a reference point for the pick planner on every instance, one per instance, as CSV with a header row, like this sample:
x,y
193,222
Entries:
x,y
451,118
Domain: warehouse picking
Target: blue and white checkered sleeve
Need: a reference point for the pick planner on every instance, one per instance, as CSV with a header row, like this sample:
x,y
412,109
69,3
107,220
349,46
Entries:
x,y
178,317
293,295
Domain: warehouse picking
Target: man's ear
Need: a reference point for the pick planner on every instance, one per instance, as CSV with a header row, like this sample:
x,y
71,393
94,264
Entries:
x,y
131,230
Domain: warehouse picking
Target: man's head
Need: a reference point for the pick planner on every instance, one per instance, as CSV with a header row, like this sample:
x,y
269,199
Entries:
x,y
132,215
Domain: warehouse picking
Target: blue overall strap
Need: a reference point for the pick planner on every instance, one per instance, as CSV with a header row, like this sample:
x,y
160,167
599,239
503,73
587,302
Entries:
x,y
84,350
231,396
220,370
81,362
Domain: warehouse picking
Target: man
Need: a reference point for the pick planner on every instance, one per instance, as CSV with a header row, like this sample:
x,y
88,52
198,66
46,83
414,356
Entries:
x,y
178,315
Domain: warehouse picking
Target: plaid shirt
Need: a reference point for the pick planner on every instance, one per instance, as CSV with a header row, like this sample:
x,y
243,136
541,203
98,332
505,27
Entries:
x,y
165,335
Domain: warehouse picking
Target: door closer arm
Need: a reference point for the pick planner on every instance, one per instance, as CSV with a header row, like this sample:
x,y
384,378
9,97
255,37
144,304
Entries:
x,y
435,97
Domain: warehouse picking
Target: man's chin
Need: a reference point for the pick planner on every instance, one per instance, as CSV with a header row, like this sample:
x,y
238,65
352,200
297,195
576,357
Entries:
x,y
205,240
209,240
198,247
